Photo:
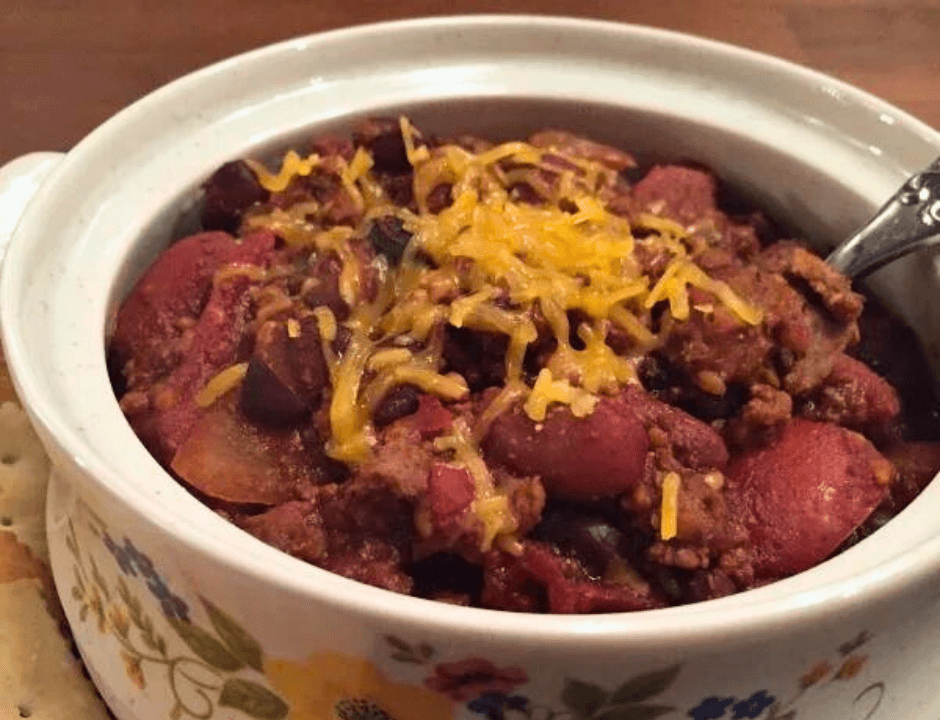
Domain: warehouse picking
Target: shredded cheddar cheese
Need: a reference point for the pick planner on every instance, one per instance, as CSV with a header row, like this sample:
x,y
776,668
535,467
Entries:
x,y
669,512
507,397
350,440
556,279
221,383
358,167
414,153
326,321
234,270
389,358
291,166
546,391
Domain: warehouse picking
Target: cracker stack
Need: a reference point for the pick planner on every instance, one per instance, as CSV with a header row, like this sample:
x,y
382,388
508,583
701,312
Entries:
x,y
40,677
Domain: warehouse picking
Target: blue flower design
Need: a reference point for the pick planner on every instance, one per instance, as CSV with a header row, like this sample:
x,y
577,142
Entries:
x,y
494,704
753,706
131,562
121,557
711,708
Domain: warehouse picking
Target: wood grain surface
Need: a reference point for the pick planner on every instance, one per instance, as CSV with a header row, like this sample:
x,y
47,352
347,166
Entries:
x,y
67,65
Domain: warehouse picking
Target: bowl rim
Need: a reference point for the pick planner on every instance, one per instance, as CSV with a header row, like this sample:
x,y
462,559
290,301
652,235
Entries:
x,y
759,612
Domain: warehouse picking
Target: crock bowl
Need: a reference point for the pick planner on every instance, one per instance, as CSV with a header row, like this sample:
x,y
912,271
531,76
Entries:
x,y
179,614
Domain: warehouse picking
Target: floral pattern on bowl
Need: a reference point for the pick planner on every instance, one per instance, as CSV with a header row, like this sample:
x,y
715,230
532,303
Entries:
x,y
210,668
204,669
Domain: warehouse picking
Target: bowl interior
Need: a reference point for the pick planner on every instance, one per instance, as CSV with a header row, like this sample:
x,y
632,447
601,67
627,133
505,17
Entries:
x,y
818,155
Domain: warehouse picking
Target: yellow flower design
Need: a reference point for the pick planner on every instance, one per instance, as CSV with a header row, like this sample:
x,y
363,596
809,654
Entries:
x,y
133,669
118,620
98,607
819,671
334,686
852,666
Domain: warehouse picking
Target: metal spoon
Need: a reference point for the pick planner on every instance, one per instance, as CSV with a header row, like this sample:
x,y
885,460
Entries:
x,y
909,221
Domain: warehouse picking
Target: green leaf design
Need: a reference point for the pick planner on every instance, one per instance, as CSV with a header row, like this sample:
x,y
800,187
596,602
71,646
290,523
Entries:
x,y
123,590
643,687
855,643
79,582
635,712
583,699
399,644
70,544
205,646
252,699
150,640
95,523
99,580
121,629
133,604
136,614
235,637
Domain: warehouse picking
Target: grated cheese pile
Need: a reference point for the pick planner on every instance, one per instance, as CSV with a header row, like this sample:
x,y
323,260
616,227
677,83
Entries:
x,y
489,262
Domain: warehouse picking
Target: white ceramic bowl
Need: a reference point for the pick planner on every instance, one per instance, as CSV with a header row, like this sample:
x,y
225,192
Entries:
x,y
179,614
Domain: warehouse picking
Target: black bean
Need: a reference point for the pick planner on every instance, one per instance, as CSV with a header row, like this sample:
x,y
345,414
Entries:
x,y
230,190
389,237
382,137
477,355
328,469
446,573
668,383
655,373
397,403
708,407
590,537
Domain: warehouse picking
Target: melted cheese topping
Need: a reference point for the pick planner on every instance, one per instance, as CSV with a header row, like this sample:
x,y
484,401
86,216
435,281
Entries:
x,y
557,278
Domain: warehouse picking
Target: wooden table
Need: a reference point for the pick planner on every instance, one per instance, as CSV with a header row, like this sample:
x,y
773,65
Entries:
x,y
66,65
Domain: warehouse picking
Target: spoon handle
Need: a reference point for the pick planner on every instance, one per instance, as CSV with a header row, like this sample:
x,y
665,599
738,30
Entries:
x,y
910,220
